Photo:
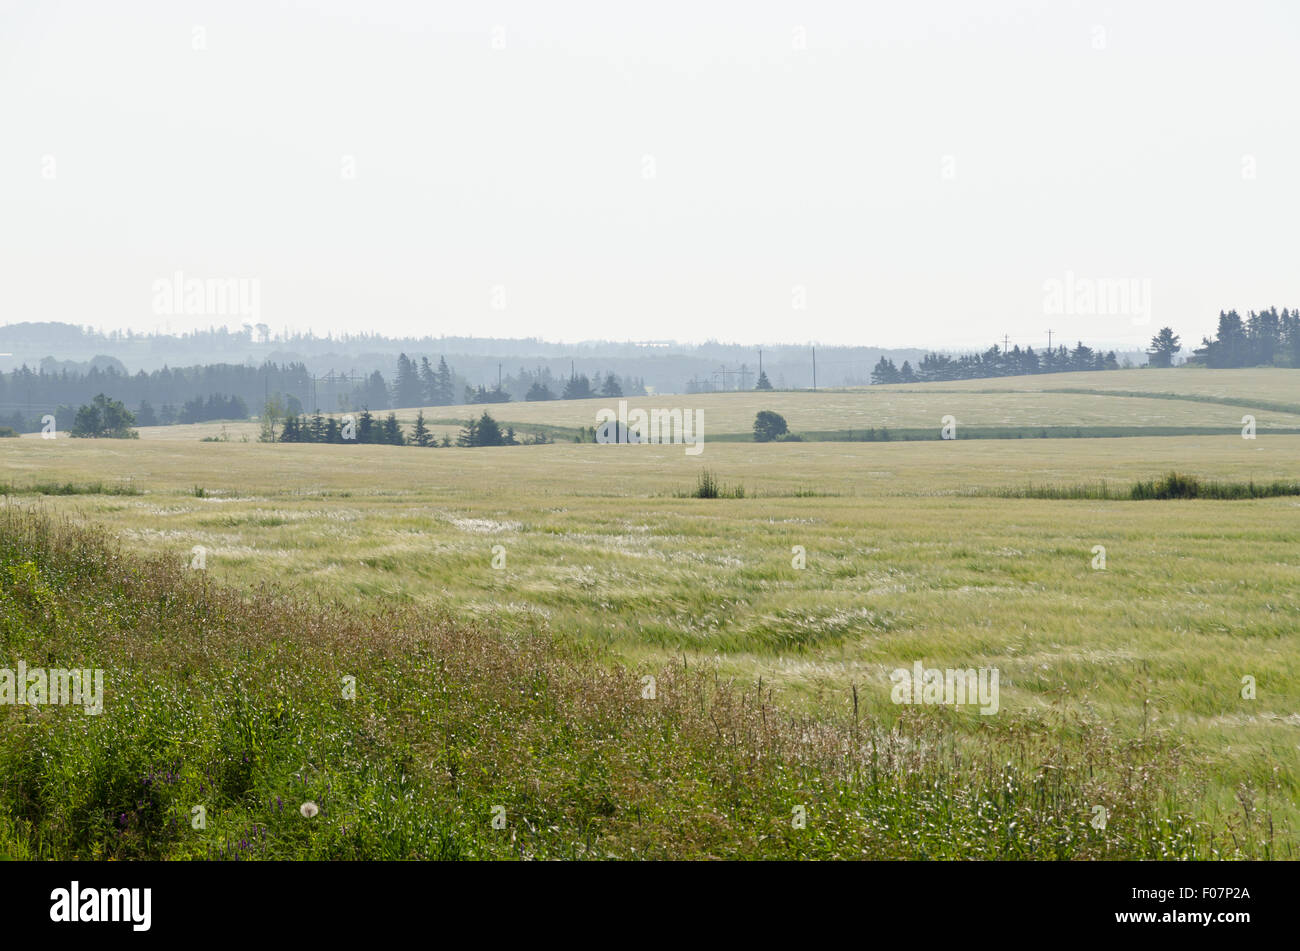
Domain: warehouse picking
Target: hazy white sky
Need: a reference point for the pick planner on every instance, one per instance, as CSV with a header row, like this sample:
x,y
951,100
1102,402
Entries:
x,y
909,173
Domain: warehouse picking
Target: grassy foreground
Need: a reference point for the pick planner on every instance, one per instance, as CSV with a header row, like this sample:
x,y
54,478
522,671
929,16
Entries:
x,y
234,700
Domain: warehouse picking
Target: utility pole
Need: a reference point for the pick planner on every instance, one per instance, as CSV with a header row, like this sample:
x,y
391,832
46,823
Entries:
x,y
1049,341
814,350
498,377
760,363
1006,343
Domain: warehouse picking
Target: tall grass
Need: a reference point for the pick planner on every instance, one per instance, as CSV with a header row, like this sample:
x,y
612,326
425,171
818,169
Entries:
x,y
68,488
1172,485
708,486
230,699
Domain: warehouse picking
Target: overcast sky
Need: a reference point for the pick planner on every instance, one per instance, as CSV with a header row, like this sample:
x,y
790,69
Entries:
x,y
871,173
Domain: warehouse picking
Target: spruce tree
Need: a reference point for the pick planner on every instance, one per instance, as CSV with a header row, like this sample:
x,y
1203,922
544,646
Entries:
x,y
420,435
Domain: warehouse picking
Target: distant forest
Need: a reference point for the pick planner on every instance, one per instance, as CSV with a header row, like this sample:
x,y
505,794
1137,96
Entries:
x,y
995,362
227,391
212,391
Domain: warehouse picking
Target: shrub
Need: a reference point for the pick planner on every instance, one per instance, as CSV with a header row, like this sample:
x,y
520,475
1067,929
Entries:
x,y
707,486
769,426
1172,485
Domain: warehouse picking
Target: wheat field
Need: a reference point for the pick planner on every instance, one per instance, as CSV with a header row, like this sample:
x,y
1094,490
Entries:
x,y
907,559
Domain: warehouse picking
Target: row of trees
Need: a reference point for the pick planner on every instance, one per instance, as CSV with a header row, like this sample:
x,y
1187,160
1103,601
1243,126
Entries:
x,y
367,428
543,386
1264,338
194,394
226,391
161,397
995,362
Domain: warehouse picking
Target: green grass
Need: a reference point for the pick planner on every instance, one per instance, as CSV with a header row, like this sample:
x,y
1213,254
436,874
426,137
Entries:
x,y
234,701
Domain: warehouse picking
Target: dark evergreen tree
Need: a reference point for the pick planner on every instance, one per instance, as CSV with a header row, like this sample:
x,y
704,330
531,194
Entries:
x,y
885,372
446,384
392,432
407,387
366,428
420,435
376,392
577,388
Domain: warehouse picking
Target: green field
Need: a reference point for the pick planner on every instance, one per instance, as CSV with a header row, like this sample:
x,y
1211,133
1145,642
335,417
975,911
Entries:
x,y
1094,399
910,556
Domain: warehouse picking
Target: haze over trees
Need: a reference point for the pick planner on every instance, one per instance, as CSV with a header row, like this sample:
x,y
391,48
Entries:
x,y
225,391
995,362
1266,338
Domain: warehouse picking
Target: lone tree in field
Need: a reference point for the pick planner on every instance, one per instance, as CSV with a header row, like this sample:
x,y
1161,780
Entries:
x,y
272,414
769,425
763,382
104,419
1163,347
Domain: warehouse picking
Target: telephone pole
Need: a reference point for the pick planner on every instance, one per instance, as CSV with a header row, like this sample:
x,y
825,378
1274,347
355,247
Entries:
x,y
1049,341
814,351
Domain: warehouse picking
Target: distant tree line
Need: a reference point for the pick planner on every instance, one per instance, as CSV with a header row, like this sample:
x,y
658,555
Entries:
x,y
1266,338
214,391
542,385
994,362
210,392
226,391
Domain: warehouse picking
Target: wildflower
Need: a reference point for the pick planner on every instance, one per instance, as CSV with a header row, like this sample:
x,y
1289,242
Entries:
x,y
309,809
